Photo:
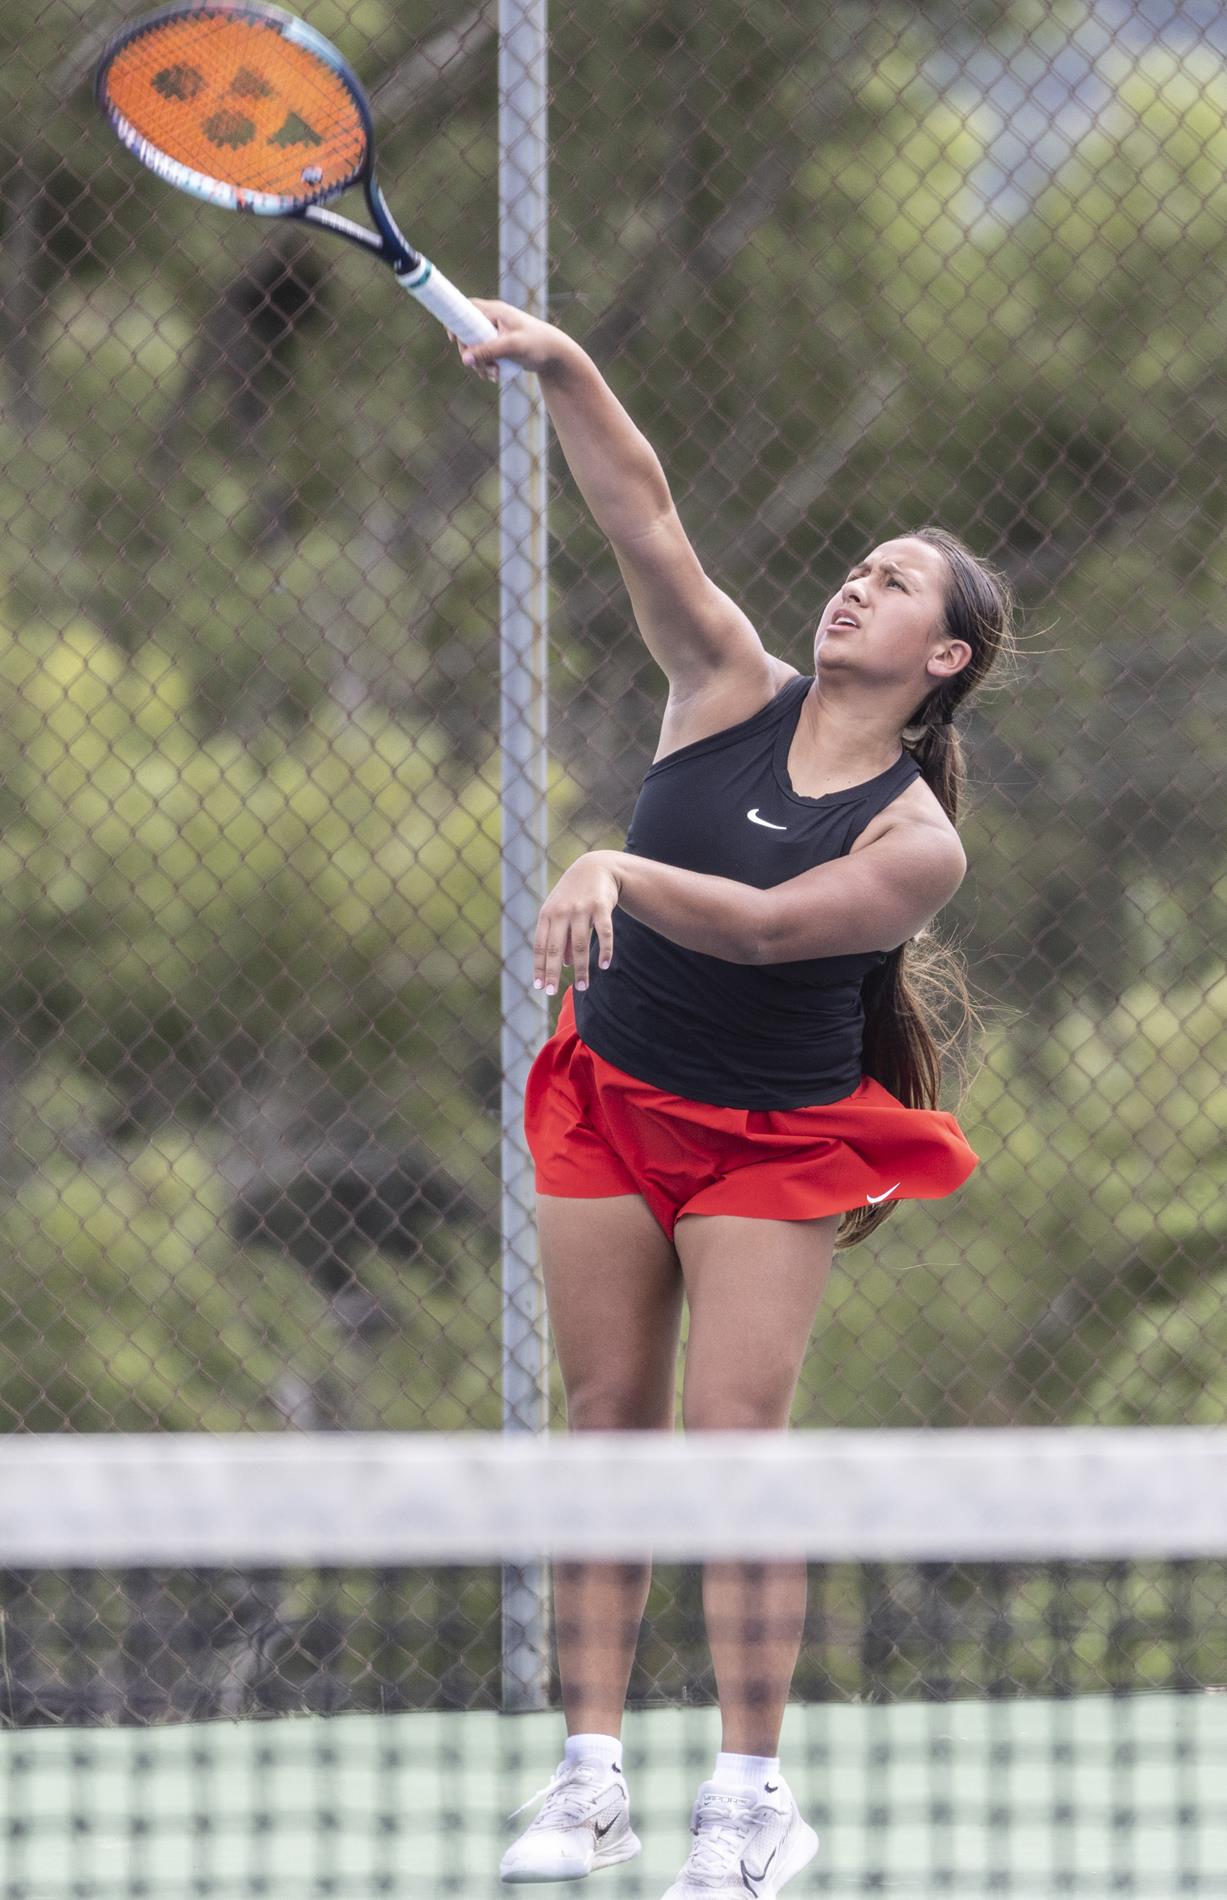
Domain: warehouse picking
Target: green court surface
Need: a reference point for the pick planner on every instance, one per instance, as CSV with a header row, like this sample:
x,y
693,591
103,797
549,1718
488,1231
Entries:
x,y
1091,1796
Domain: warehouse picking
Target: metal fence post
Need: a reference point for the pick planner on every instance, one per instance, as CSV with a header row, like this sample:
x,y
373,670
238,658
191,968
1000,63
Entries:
x,y
523,269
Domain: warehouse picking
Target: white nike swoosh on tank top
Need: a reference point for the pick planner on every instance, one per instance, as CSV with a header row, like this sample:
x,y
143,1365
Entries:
x,y
756,820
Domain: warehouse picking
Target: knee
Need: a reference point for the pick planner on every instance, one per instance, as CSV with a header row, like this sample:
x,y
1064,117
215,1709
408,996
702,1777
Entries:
x,y
604,1408
735,1412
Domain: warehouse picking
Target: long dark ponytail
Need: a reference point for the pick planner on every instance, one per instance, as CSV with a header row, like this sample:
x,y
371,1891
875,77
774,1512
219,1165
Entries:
x,y
918,1010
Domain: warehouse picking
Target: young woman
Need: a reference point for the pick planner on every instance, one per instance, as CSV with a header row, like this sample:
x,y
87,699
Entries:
x,y
746,1068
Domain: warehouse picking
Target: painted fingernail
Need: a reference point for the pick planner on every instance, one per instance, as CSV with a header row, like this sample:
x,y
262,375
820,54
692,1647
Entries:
x,y
537,984
581,986
549,989
605,965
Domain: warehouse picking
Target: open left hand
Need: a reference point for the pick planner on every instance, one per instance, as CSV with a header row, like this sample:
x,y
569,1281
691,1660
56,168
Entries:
x,y
582,901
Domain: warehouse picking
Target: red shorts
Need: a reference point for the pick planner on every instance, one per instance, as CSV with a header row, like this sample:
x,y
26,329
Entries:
x,y
594,1132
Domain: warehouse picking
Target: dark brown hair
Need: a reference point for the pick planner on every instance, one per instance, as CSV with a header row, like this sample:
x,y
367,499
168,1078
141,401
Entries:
x,y
918,1010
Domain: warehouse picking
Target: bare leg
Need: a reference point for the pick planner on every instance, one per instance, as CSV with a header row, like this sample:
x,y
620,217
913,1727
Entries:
x,y
754,1287
614,1291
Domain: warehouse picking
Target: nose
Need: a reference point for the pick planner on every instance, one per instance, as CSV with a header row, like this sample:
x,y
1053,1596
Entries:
x,y
852,591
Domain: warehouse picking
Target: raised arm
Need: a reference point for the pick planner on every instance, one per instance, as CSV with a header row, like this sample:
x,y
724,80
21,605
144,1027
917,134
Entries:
x,y
692,629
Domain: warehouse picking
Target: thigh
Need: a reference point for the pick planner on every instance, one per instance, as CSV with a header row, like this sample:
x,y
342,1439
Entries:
x,y
613,1287
753,1288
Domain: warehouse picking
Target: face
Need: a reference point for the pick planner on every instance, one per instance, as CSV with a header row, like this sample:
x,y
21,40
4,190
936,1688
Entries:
x,y
887,620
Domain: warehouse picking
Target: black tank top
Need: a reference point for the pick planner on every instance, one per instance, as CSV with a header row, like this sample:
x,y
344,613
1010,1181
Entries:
x,y
781,1035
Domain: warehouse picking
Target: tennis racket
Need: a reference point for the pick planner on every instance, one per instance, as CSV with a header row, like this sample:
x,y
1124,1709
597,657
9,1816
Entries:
x,y
249,108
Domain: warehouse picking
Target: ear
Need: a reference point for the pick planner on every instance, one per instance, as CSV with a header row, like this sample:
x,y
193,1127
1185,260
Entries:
x,y
948,659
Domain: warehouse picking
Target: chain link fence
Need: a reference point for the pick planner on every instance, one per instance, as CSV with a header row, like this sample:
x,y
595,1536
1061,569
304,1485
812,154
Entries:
x,y
852,269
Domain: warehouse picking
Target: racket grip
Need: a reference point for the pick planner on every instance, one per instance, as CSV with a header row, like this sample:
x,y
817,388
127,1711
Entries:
x,y
452,308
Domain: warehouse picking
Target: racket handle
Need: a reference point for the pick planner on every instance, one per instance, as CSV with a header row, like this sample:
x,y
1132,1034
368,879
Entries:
x,y
452,308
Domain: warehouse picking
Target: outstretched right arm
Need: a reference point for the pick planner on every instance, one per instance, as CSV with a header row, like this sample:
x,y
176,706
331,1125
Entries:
x,y
694,632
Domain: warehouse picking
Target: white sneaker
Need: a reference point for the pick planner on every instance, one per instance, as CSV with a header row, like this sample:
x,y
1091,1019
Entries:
x,y
585,1823
744,1845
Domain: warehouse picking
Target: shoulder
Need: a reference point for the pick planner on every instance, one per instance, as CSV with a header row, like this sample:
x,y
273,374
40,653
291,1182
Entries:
x,y
916,821
905,867
725,699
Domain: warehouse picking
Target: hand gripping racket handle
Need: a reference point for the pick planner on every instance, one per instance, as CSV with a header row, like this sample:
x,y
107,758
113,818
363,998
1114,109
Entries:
x,y
452,308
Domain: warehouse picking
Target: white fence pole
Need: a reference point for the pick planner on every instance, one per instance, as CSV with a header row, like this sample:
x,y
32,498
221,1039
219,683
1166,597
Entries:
x,y
523,278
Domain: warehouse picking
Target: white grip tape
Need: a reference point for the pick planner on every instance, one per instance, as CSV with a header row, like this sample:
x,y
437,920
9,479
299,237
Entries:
x,y
452,308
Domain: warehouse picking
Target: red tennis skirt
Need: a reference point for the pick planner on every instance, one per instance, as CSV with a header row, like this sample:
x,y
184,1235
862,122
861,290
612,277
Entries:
x,y
595,1132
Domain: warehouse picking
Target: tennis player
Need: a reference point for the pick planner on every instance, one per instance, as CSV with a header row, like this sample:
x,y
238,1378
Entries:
x,y
744,1069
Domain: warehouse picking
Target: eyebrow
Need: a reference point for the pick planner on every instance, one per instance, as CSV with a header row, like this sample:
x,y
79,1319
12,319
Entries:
x,y
892,567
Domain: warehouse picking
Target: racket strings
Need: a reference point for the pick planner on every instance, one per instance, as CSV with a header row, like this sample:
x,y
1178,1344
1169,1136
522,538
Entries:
x,y
239,104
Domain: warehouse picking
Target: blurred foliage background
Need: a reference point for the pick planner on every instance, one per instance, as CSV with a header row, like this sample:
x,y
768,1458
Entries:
x,y
852,269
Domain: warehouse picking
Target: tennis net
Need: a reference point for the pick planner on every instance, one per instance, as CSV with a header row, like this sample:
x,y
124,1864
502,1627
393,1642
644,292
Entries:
x,y
282,1665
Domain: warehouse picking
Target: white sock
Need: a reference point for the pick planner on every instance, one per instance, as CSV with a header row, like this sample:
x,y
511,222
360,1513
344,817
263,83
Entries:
x,y
746,1774
605,1750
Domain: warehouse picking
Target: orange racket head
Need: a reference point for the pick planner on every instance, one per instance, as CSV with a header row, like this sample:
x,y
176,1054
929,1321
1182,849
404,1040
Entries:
x,y
241,104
